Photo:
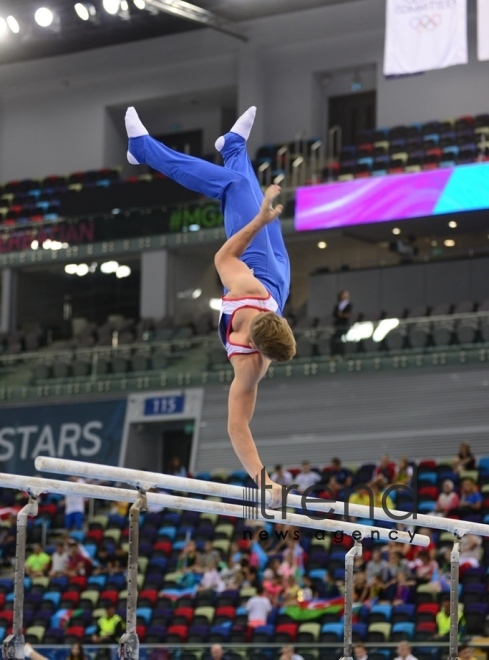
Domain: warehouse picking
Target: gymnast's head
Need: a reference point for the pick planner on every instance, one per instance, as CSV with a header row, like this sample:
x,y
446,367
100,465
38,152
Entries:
x,y
271,335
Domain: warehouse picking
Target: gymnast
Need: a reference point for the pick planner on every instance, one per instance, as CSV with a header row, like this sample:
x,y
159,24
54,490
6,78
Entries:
x,y
253,266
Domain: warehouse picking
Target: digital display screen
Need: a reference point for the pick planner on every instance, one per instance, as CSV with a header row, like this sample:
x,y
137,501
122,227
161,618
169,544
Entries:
x,y
393,197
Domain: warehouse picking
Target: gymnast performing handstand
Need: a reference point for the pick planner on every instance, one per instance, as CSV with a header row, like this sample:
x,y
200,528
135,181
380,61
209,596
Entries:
x,y
253,266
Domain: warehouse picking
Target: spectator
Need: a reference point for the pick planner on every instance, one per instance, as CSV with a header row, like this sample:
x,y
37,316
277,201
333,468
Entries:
x,y
38,562
465,460
404,651
396,563
378,486
361,592
443,619
109,627
341,321
404,472
331,589
447,499
425,568
74,508
385,469
76,652
211,578
360,652
105,561
342,475
258,608
288,653
188,559
273,587
281,476
59,560
307,477
176,467
8,540
471,552
403,588
377,567
217,652
77,562
209,556
470,498
291,592
465,652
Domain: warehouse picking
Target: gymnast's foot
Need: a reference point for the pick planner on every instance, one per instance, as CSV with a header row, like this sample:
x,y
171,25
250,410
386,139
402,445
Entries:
x,y
134,128
242,127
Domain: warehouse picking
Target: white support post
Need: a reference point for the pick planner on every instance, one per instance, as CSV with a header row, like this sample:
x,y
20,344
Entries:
x,y
454,580
13,645
36,485
154,480
356,551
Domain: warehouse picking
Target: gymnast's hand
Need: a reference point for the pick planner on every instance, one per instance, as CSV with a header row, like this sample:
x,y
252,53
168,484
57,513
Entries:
x,y
267,212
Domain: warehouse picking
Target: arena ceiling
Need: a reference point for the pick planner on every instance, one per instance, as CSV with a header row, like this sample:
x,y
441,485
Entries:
x,y
70,34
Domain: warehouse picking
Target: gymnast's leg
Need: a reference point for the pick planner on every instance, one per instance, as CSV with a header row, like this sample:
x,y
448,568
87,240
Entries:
x,y
192,173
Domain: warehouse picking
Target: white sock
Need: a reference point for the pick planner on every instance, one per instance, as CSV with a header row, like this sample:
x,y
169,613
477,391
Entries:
x,y
244,124
242,127
134,126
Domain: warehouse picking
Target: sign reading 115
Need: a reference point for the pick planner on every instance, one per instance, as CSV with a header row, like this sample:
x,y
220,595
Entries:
x,y
164,405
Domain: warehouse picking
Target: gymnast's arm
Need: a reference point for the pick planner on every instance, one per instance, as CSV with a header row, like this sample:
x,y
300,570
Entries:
x,y
248,371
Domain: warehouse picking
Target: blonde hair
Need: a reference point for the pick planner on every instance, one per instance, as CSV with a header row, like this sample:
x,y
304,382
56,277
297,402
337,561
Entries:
x,y
272,336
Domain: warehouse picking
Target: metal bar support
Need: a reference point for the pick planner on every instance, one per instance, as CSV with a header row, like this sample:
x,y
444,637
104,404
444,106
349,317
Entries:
x,y
355,551
13,645
129,641
454,581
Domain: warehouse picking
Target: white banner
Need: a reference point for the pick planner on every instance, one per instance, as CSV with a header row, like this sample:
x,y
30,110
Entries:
x,y
425,34
483,29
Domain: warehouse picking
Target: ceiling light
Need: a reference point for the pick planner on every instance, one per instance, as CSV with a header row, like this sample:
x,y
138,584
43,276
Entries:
x,y
122,271
140,4
81,270
215,303
44,17
396,231
35,245
111,6
13,24
196,293
109,267
359,331
71,269
452,224
449,242
322,245
3,27
85,10
124,5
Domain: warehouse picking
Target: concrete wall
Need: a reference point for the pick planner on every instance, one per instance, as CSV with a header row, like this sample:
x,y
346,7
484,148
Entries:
x,y
63,114
399,287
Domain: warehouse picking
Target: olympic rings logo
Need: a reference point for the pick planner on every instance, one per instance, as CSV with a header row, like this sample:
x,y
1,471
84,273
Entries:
x,y
426,23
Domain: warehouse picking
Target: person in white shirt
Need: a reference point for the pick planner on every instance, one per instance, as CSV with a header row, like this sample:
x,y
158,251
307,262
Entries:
x,y
211,578
282,476
74,508
307,477
404,651
59,560
258,608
